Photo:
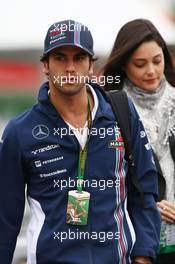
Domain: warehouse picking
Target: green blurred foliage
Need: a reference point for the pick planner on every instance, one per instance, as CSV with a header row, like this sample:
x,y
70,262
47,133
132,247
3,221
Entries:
x,y
11,104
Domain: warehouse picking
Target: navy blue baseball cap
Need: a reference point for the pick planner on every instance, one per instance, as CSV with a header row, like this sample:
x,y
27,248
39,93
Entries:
x,y
68,33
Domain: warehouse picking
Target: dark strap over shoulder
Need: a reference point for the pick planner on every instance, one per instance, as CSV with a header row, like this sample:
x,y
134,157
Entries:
x,y
119,102
172,146
161,179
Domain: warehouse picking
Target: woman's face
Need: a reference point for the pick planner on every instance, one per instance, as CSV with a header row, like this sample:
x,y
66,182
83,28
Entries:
x,y
145,67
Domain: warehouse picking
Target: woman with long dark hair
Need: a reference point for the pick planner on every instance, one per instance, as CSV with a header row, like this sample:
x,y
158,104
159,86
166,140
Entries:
x,y
141,58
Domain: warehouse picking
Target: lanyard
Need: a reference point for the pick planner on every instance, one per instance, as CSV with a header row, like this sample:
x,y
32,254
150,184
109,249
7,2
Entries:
x,y
83,152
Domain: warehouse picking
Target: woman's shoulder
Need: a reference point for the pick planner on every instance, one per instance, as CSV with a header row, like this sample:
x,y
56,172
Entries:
x,y
168,97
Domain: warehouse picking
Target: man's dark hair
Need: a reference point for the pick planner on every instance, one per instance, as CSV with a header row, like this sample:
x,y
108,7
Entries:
x,y
44,57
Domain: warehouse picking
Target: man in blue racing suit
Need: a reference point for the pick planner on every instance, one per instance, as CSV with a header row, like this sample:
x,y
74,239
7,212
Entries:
x,y
68,150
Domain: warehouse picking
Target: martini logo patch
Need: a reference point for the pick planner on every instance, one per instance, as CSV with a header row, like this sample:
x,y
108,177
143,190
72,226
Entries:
x,y
118,142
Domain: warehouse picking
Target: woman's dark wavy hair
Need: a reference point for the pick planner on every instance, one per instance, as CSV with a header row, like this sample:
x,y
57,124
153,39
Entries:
x,y
129,38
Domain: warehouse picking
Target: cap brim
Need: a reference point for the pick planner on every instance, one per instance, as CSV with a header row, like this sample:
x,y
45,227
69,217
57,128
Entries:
x,y
69,44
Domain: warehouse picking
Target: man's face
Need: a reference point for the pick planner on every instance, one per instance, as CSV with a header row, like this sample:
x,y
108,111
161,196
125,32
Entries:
x,y
68,67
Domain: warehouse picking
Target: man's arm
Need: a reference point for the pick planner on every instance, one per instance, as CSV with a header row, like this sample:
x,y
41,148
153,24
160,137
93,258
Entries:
x,y
12,193
146,220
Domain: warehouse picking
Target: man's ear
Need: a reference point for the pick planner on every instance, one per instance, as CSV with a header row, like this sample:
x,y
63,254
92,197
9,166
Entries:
x,y
45,68
91,68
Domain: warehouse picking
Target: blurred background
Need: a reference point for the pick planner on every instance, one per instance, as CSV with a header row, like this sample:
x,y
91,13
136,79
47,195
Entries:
x,y
23,26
